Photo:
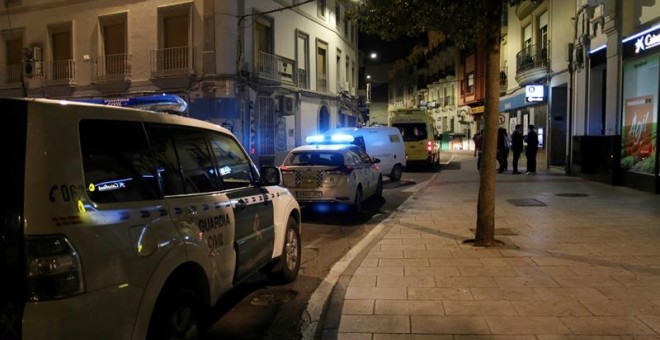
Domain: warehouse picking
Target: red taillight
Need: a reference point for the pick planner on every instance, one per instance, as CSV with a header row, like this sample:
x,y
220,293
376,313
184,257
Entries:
x,y
429,146
348,169
286,170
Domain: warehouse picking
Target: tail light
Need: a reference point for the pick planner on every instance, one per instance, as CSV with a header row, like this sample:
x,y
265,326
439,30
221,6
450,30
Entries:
x,y
285,170
429,146
53,268
347,170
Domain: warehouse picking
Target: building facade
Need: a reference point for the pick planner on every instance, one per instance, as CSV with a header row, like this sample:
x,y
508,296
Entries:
x,y
271,71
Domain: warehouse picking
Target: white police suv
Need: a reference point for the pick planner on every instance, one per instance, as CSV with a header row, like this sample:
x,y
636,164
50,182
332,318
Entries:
x,y
118,223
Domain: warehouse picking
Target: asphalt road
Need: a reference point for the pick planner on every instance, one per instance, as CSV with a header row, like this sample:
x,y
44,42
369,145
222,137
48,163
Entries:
x,y
257,310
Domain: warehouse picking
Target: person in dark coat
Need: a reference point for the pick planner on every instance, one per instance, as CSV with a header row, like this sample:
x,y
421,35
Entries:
x,y
532,140
502,149
516,147
478,144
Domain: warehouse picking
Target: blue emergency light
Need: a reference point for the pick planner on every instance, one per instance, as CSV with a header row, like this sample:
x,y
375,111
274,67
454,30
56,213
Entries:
x,y
331,139
160,103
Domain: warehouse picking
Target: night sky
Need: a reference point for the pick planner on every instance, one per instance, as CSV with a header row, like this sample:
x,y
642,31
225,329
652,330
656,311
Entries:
x,y
388,51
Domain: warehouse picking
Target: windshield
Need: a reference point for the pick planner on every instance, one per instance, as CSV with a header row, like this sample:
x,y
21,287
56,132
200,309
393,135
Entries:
x,y
412,131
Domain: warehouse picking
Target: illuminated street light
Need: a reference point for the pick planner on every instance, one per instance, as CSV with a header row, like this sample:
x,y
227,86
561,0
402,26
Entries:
x,y
368,76
373,55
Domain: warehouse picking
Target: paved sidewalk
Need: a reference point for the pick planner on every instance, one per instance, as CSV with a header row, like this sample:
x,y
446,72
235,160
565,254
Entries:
x,y
581,260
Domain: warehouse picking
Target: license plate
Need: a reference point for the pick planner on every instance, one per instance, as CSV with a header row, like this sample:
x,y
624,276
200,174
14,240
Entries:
x,y
308,194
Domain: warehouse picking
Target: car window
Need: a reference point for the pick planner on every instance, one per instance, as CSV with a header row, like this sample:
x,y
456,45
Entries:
x,y
412,131
315,157
234,167
352,158
184,159
364,157
117,162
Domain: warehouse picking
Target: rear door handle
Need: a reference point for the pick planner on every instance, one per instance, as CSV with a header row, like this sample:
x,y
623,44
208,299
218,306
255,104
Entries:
x,y
240,204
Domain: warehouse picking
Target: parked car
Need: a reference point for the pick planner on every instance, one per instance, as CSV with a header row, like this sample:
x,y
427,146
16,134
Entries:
x,y
120,223
382,142
332,173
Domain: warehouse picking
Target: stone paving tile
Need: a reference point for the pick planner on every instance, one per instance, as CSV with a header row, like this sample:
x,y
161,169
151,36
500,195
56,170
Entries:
x,y
375,271
605,325
602,270
411,337
479,308
426,254
651,321
353,336
409,307
406,281
369,262
624,293
638,280
448,325
525,281
465,281
402,247
416,293
431,271
390,241
481,253
550,308
403,263
526,325
512,294
385,254
452,262
402,236
582,337
374,324
363,281
507,262
358,307
494,337
550,271
488,271
375,293
578,293
622,307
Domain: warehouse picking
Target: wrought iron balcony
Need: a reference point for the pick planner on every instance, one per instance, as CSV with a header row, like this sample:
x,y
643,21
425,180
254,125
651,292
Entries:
x,y
61,72
14,74
532,63
172,62
114,67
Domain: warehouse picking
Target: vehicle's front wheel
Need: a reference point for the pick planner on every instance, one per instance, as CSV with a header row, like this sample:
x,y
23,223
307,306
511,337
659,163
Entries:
x,y
357,203
395,175
288,265
176,316
379,188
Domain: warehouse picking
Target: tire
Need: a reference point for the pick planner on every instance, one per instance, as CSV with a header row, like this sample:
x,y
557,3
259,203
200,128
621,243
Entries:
x,y
396,173
288,265
379,188
357,203
177,315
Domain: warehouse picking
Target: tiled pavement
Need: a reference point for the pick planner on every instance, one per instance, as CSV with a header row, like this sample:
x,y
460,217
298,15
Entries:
x,y
580,260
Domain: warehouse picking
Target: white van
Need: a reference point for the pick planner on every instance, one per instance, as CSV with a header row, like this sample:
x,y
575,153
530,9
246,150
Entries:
x,y
382,142
120,223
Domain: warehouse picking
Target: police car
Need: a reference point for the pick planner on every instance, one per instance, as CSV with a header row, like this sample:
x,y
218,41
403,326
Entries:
x,y
119,223
331,170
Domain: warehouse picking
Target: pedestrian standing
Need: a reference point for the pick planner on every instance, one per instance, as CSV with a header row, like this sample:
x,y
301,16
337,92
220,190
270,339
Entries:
x,y
516,147
532,140
502,150
478,143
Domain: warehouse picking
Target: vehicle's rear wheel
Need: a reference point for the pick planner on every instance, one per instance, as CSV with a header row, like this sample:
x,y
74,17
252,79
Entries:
x,y
357,203
288,265
395,175
176,316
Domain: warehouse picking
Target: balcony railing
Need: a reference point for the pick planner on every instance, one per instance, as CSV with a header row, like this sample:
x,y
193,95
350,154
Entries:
x,y
274,67
321,83
14,73
61,71
302,79
172,62
532,57
114,67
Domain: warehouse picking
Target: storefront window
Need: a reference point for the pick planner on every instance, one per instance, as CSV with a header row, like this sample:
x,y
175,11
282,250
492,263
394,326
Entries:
x,y
640,107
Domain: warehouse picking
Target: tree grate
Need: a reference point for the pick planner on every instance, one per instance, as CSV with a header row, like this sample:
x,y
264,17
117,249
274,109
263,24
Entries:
x,y
526,202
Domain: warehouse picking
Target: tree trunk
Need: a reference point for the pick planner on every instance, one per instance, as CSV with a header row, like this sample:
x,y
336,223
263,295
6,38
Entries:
x,y
485,235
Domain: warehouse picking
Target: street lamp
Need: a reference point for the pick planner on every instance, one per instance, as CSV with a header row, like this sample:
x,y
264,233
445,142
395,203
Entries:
x,y
373,55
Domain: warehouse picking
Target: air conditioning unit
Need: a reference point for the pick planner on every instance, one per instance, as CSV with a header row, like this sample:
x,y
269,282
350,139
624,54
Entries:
x,y
32,53
286,105
32,69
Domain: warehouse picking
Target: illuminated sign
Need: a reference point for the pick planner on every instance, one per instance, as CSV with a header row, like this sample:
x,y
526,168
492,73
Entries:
x,y
534,93
477,109
646,41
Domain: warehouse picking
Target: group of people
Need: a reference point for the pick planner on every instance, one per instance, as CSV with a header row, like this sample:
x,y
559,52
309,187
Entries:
x,y
515,143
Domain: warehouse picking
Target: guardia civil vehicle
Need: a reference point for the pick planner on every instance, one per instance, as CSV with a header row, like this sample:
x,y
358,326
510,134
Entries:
x,y
120,223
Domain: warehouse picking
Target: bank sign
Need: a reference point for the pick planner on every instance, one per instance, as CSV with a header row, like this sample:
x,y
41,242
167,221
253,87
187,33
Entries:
x,y
642,42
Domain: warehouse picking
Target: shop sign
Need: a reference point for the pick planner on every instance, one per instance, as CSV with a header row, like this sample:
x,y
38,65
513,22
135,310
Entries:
x,y
534,93
477,109
641,42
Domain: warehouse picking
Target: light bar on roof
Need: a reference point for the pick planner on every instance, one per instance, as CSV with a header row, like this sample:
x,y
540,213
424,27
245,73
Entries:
x,y
160,103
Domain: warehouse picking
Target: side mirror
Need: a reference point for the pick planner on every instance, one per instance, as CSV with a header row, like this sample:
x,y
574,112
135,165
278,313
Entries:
x,y
375,160
270,175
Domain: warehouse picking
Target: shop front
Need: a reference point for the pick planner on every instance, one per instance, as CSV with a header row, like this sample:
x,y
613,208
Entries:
x,y
639,112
